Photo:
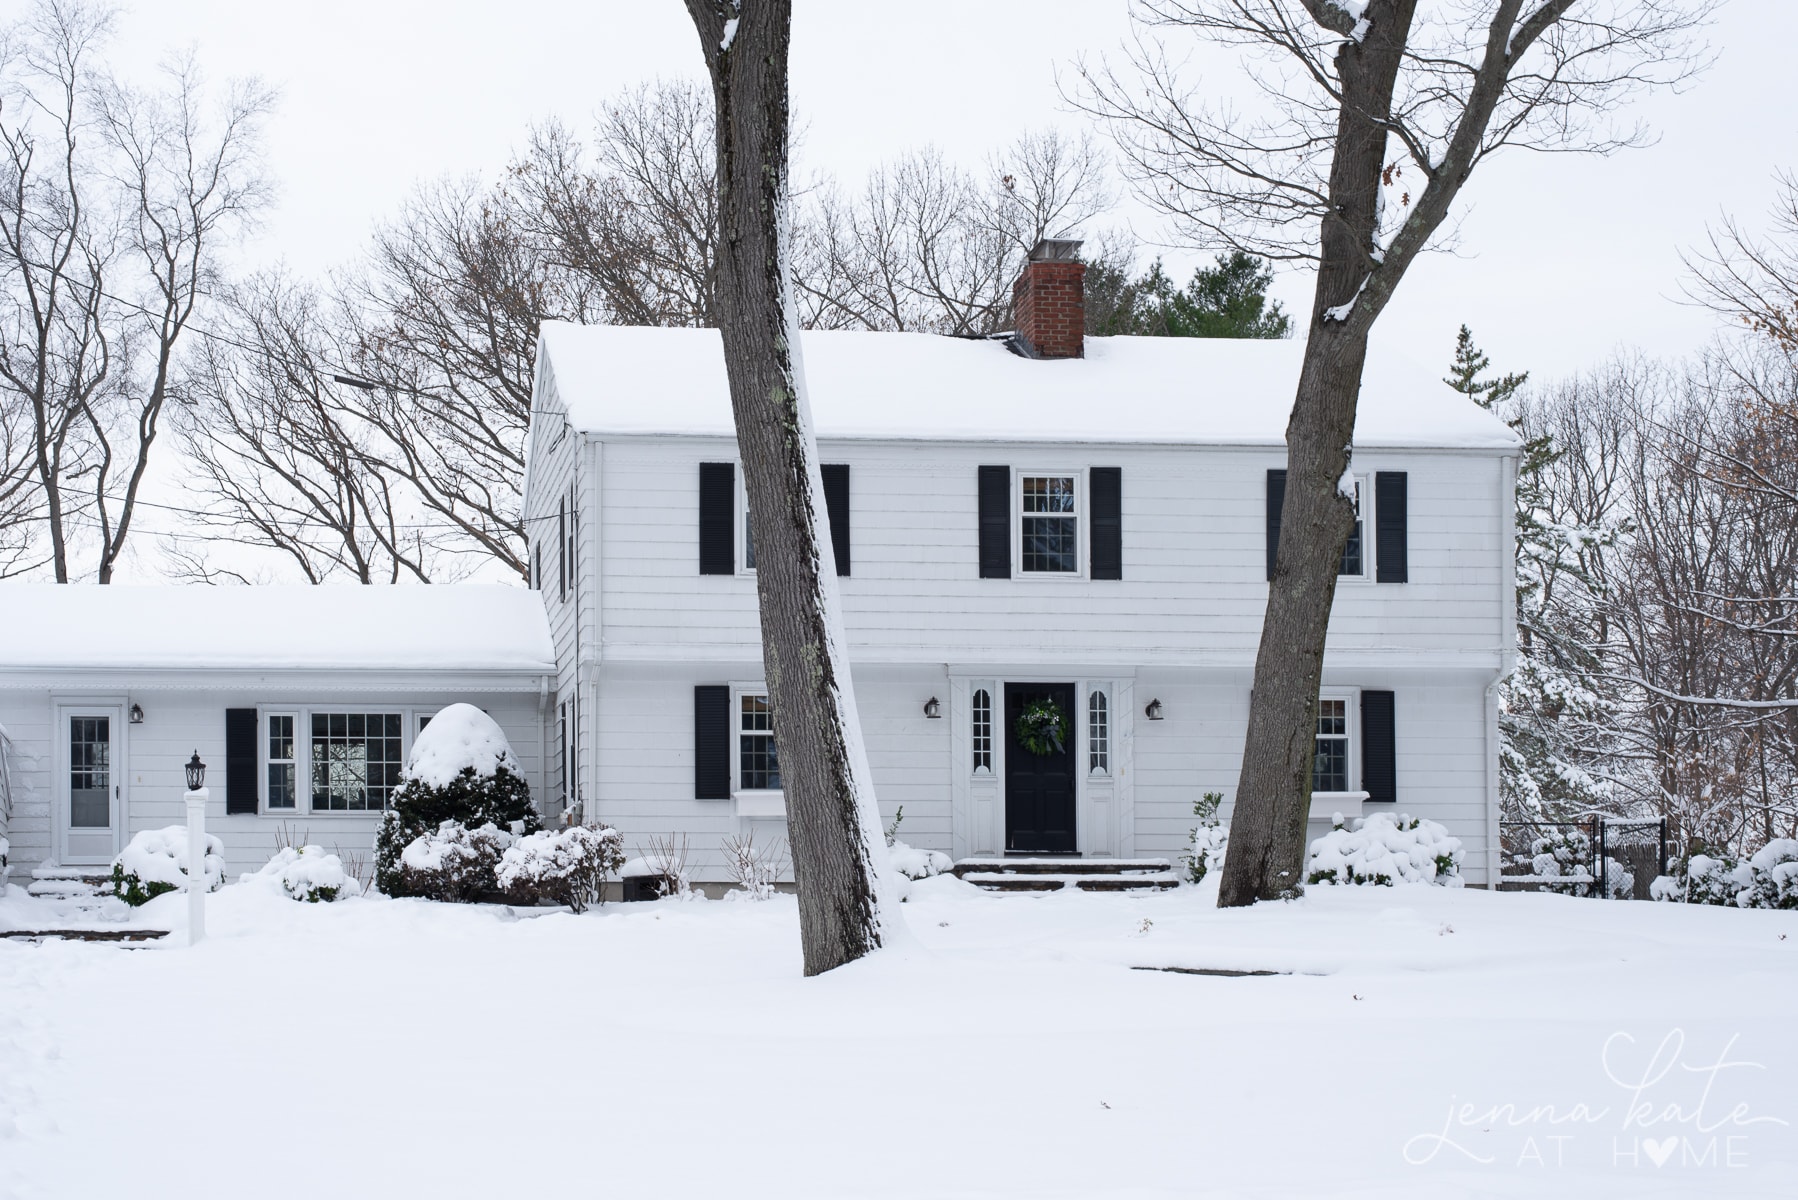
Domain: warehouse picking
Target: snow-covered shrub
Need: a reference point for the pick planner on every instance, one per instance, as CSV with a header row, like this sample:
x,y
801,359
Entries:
x,y
155,862
1209,839
918,864
1769,879
461,769
565,866
754,869
1558,853
453,863
1386,849
307,873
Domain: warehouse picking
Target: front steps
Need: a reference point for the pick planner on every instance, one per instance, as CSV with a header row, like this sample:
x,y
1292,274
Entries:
x,y
69,883
1056,874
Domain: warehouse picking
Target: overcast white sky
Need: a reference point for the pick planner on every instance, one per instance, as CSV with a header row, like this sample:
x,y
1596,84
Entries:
x,y
1563,258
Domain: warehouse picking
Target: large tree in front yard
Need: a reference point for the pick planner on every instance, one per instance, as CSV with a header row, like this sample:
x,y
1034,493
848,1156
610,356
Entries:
x,y
1374,117
833,825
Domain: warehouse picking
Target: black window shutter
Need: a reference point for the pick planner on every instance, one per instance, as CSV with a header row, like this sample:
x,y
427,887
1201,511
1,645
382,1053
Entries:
x,y
562,548
1379,748
1276,499
711,742
995,522
836,507
1107,539
1391,522
717,518
241,792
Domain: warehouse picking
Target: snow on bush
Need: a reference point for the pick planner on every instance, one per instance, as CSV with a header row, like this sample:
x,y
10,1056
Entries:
x,y
568,866
156,862
306,873
1384,849
1557,854
454,863
1206,844
1768,879
461,770
918,864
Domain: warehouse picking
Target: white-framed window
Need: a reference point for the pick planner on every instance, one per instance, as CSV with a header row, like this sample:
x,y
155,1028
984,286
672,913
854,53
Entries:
x,y
756,764
1357,556
356,759
1098,733
1331,767
572,540
981,710
1050,505
745,534
332,759
283,761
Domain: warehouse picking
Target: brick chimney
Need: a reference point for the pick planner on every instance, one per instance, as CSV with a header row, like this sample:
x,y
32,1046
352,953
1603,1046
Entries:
x,y
1049,301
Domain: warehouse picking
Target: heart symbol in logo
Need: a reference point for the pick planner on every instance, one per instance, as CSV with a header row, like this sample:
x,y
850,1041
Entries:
x,y
1659,1152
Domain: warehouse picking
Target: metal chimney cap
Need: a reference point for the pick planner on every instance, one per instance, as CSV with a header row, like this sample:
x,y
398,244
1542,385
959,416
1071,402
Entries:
x,y
1055,250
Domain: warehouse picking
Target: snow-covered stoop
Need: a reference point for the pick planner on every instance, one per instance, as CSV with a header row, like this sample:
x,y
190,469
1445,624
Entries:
x,y
1053,874
69,883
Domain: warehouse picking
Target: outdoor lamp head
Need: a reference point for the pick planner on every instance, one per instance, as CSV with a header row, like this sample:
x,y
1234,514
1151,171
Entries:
x,y
196,773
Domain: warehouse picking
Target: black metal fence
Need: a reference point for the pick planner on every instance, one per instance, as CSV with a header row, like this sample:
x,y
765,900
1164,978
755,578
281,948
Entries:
x,y
1617,858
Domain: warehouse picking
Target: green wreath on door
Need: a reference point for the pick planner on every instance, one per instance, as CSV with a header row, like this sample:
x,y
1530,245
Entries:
x,y
1042,727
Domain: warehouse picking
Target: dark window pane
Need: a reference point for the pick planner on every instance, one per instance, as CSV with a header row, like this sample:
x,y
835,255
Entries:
x,y
1050,544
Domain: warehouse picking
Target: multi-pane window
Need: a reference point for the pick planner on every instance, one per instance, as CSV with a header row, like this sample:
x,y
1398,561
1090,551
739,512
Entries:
x,y
356,760
758,767
983,729
1098,734
1354,554
90,772
283,766
1049,533
1330,769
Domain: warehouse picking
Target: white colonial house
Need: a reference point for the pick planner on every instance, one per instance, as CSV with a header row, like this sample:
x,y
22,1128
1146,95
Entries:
x,y
1014,521
1036,520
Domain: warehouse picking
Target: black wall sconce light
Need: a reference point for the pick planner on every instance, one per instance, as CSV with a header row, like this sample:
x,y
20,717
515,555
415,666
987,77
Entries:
x,y
1153,711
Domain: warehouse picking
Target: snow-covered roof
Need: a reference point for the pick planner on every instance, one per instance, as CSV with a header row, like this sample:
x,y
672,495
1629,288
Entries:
x,y
441,627
1221,391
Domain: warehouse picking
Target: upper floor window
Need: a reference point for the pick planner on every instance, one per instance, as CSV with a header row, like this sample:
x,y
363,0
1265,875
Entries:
x,y
571,538
982,708
1330,768
1049,524
1354,555
758,765
748,539
1098,734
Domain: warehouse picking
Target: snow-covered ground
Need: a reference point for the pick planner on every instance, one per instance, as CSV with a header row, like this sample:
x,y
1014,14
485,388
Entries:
x,y
1427,1042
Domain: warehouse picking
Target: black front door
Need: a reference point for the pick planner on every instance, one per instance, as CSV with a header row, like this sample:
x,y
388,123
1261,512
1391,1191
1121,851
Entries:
x,y
1039,788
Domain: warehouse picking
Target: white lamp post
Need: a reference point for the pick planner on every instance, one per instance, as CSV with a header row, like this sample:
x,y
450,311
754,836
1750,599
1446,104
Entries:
x,y
196,849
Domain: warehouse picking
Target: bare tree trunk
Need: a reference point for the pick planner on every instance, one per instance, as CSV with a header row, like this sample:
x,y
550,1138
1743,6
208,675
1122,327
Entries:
x,y
832,822
1273,797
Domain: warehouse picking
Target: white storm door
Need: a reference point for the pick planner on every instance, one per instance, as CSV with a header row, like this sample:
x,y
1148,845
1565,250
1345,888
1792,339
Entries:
x,y
90,788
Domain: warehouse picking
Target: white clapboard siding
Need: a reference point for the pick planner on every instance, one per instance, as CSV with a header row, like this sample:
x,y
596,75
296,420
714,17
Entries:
x,y
179,722
553,467
1193,545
